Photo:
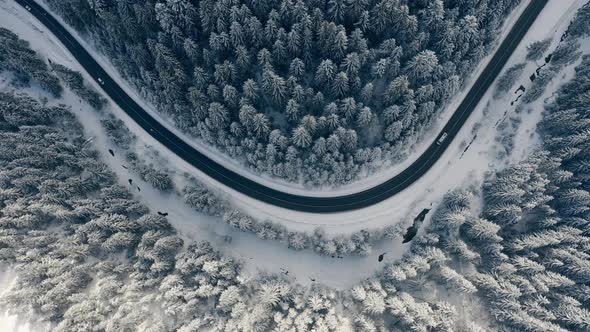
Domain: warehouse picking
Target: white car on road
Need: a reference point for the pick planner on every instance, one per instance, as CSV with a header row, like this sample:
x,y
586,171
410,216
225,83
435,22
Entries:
x,y
442,138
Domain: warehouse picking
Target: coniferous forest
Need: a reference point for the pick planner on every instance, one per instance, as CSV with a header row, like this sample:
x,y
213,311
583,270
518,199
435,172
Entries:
x,y
318,92
510,255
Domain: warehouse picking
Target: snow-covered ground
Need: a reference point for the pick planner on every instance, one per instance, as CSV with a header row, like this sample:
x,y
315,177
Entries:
x,y
389,170
257,254
526,137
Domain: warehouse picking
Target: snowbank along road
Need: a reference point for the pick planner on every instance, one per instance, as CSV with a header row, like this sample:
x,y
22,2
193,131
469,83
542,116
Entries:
x,y
272,196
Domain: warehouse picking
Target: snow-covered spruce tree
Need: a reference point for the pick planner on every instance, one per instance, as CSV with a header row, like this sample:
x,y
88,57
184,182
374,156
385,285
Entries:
x,y
25,65
536,50
508,78
543,241
566,53
88,256
75,81
524,266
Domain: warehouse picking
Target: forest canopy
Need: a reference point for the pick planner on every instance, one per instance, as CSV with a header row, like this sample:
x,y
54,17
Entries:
x,y
315,91
88,256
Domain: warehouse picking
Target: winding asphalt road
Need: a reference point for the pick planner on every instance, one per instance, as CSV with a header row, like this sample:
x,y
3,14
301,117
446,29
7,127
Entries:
x,y
278,198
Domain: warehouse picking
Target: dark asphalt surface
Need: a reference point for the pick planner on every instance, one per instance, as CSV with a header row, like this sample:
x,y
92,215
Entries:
x,y
271,196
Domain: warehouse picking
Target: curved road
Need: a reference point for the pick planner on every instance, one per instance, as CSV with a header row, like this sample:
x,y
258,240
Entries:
x,y
272,196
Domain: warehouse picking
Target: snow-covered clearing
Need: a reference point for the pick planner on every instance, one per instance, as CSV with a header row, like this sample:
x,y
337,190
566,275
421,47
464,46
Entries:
x,y
526,137
257,254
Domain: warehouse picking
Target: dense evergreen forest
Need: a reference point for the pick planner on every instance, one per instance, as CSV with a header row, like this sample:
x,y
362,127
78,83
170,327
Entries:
x,y
317,92
512,255
89,257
